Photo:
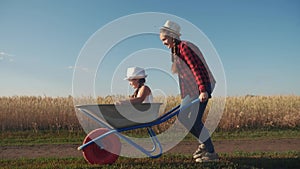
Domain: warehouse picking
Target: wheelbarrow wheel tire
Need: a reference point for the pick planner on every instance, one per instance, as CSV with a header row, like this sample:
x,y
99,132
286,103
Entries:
x,y
110,151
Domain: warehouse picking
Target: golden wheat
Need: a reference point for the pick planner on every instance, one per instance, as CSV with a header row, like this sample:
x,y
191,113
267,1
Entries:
x,y
48,113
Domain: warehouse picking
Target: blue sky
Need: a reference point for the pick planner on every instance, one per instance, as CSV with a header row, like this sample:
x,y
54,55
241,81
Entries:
x,y
257,41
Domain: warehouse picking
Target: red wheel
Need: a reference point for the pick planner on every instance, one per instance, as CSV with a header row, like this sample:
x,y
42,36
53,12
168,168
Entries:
x,y
107,155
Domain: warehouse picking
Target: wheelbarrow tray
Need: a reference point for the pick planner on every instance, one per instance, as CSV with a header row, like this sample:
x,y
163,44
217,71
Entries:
x,y
125,115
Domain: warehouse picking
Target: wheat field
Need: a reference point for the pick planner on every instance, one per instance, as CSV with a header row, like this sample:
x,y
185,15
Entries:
x,y
58,113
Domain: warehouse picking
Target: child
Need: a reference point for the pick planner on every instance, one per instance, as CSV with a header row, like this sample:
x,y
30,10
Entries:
x,y
142,94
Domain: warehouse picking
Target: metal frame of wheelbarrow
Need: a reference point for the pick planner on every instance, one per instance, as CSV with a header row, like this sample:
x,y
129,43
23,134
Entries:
x,y
173,112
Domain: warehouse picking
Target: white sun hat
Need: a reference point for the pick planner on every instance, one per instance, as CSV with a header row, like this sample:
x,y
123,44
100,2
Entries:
x,y
171,27
135,73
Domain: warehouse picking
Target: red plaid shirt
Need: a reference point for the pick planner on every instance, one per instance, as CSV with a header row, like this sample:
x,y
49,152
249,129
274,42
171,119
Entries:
x,y
193,72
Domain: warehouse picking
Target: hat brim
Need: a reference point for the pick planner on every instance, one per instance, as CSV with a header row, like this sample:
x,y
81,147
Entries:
x,y
135,77
170,30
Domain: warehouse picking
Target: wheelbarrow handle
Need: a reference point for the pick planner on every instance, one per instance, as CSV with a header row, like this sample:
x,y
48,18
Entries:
x,y
196,100
182,107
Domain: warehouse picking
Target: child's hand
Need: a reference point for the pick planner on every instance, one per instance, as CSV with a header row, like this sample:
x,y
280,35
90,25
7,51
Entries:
x,y
122,102
117,102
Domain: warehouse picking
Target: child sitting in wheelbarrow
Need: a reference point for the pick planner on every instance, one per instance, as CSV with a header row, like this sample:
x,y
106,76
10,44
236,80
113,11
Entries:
x,y
136,77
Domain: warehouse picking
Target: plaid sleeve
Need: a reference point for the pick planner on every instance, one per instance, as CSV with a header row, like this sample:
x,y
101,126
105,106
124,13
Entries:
x,y
196,66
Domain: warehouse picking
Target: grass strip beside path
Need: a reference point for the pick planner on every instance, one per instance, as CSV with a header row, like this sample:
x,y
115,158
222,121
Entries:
x,y
238,160
64,137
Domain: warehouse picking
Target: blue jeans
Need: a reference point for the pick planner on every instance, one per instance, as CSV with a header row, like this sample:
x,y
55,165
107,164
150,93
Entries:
x,y
191,118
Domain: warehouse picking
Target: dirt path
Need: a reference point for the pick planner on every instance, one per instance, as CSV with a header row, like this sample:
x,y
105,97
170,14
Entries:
x,y
185,147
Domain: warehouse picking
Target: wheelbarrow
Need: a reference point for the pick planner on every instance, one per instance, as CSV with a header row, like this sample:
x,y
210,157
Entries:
x,y
103,145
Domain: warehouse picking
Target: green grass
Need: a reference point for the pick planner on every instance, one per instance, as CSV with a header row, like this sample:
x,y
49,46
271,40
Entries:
x,y
65,137
237,160
257,134
41,137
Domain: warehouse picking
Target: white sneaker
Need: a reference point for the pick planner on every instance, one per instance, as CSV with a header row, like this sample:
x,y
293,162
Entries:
x,y
208,157
200,151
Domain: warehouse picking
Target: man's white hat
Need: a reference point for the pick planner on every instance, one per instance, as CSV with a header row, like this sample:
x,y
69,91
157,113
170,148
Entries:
x,y
135,73
171,27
